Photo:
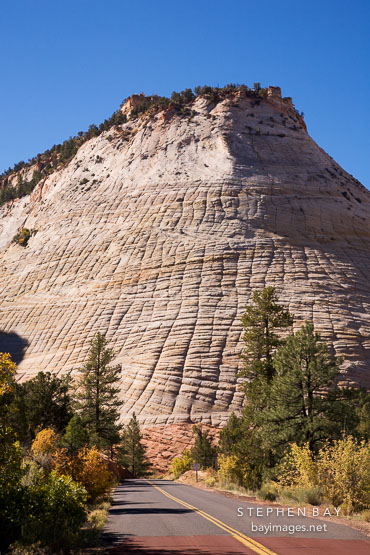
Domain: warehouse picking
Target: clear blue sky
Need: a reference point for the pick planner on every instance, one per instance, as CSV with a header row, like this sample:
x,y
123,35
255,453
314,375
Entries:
x,y
68,63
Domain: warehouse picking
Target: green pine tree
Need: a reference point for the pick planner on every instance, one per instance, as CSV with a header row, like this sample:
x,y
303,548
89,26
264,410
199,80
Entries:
x,y
231,435
305,404
76,435
291,392
97,400
362,425
42,402
132,453
263,323
203,452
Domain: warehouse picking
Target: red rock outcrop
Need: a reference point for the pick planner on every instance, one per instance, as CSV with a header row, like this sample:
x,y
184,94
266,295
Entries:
x,y
164,443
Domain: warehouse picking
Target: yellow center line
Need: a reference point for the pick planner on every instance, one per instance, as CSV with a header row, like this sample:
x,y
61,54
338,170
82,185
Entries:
x,y
242,538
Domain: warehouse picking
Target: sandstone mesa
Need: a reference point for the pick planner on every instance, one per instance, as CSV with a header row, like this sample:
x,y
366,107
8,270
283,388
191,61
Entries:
x,y
157,232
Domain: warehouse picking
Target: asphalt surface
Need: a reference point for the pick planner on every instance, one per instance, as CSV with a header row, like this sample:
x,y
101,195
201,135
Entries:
x,y
159,517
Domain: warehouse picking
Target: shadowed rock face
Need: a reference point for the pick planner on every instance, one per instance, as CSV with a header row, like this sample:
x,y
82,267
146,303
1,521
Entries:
x,y
179,221
13,344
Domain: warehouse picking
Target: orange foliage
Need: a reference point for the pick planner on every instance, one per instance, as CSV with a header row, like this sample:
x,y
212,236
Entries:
x,y
88,468
45,443
93,473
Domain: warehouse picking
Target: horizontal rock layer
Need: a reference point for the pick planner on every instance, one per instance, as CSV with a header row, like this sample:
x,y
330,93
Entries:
x,y
157,233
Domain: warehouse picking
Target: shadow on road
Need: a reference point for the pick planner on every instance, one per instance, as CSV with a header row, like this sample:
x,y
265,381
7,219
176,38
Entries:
x,y
141,527
120,503
149,512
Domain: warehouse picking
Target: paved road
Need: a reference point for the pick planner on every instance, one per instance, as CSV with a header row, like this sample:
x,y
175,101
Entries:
x,y
160,517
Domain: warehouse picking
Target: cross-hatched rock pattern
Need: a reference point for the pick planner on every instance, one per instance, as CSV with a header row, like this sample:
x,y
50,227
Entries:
x,y
156,234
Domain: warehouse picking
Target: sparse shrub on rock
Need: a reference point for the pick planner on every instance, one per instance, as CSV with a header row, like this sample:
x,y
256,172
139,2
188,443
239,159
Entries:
x,y
22,237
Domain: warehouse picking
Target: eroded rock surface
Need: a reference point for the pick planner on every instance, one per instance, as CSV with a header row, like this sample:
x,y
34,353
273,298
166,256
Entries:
x,y
164,443
157,233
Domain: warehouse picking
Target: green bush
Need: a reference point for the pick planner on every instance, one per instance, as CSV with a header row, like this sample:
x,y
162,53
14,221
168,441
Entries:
x,y
203,452
98,518
346,508
210,482
55,512
311,495
268,493
11,489
289,493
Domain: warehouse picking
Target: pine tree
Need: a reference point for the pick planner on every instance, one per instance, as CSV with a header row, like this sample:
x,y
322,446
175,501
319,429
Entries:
x,y
203,452
42,402
76,435
231,435
47,402
362,425
304,402
261,322
97,400
132,454
291,392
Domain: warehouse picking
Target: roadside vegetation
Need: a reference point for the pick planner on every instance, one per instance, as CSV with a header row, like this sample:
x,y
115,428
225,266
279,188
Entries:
x,y
300,436
61,451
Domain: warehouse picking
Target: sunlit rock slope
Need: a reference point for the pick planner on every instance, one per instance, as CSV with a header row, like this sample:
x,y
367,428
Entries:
x,y
157,232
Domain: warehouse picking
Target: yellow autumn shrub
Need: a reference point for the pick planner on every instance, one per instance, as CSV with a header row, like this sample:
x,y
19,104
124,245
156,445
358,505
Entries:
x,y
181,464
231,469
87,467
343,472
65,464
92,472
299,468
45,443
7,371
